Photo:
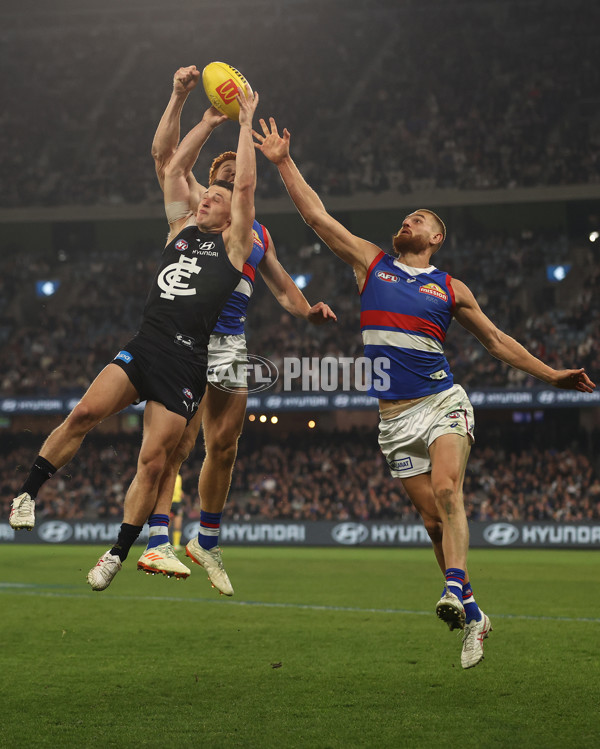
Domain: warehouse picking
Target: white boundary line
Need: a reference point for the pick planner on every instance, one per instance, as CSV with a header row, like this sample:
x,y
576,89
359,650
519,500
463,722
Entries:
x,y
29,589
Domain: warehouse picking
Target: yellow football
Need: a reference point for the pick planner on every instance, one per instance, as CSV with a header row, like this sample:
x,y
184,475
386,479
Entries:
x,y
221,83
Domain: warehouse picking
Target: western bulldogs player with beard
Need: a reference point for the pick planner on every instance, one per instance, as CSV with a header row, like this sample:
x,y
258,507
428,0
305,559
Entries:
x,y
165,363
426,426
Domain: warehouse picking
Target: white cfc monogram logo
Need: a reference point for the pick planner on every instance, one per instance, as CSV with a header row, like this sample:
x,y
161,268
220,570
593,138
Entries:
x,y
174,278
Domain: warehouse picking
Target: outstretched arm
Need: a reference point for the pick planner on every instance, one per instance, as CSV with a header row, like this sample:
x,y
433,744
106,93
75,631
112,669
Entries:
x,y
287,293
166,138
469,314
351,249
238,237
177,172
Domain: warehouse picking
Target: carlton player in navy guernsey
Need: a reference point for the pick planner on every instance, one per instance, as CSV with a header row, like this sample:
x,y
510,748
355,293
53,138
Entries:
x,y
165,363
426,427
221,413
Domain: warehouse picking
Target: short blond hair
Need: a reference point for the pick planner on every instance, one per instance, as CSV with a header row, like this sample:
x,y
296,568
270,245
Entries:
x,y
440,224
220,159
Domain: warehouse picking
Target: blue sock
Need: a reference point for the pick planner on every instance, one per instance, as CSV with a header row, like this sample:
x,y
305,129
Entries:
x,y
210,525
471,608
455,579
159,530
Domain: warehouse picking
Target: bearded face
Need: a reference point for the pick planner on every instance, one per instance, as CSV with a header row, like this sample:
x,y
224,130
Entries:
x,y
406,241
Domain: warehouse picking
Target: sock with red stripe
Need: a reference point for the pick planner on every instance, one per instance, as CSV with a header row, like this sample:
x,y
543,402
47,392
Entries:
x,y
210,525
455,579
159,530
471,608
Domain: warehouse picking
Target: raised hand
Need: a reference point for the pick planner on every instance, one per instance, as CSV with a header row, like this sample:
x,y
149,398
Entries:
x,y
248,102
274,146
321,313
185,79
574,379
213,118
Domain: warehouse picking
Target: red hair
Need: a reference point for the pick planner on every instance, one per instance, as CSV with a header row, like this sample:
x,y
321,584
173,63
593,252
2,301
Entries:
x,y
221,158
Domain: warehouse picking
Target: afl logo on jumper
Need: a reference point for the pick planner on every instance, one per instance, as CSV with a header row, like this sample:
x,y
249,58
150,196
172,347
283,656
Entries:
x,y
389,277
434,290
173,279
188,393
181,245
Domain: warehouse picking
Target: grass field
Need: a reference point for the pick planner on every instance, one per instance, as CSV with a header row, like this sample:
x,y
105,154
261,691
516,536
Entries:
x,y
318,648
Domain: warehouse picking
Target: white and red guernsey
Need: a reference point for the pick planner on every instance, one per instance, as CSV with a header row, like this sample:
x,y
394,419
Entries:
x,y
405,313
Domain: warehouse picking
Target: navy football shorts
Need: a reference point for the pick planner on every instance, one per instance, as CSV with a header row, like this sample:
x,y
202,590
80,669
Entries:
x,y
159,373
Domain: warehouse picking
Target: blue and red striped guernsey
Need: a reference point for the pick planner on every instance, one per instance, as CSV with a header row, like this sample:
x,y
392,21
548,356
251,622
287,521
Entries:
x,y
405,313
233,316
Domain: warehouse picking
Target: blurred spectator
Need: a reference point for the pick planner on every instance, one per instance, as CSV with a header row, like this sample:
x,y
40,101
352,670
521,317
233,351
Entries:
x,y
340,476
57,345
503,96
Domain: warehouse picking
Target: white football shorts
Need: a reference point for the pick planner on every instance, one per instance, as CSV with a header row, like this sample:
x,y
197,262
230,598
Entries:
x,y
227,361
405,439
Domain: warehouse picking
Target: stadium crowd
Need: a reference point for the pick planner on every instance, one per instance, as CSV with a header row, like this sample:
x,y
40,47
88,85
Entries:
x,y
379,113
339,476
56,345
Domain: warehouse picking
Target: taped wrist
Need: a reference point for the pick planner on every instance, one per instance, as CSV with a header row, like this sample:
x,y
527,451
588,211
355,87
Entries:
x,y
177,210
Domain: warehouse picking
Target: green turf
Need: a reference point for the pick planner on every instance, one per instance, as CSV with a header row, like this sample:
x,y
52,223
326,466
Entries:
x,y
318,648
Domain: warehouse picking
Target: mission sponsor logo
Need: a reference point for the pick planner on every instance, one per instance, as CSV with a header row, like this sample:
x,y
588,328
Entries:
x,y
256,239
388,277
434,290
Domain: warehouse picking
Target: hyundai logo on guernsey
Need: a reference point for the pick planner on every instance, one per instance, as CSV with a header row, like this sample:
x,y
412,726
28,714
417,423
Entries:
x,y
181,245
501,534
124,356
205,248
389,277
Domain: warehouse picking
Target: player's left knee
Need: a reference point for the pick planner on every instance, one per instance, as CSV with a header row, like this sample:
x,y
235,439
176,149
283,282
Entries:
x,y
223,447
151,467
434,529
447,498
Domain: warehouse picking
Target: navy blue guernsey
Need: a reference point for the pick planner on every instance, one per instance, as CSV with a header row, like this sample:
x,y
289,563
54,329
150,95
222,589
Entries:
x,y
193,282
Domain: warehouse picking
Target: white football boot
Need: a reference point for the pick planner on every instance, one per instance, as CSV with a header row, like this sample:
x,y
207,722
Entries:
x,y
22,513
101,576
450,609
212,563
473,637
162,559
